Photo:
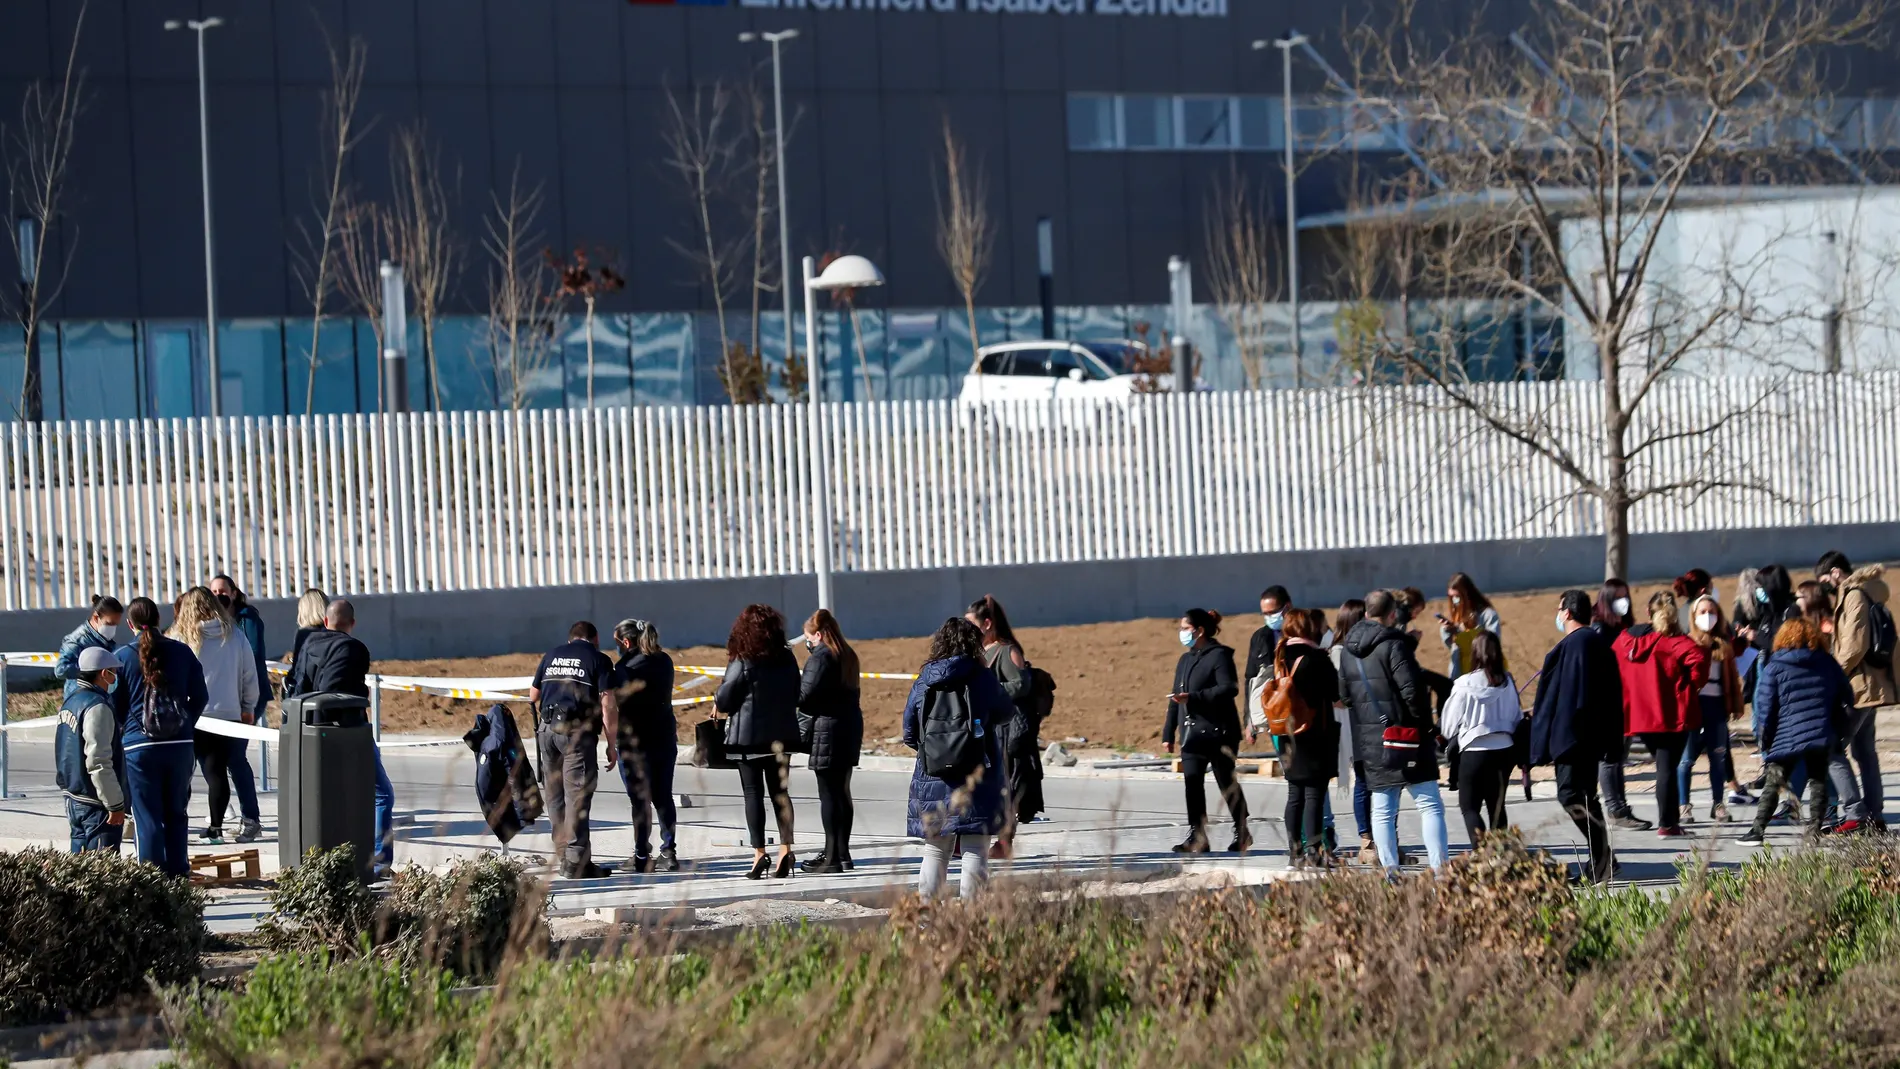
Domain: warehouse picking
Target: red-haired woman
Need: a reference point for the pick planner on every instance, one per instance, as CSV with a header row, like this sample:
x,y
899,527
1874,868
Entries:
x,y
760,700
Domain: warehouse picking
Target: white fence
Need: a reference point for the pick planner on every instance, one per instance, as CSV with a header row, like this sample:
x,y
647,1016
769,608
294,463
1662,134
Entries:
x,y
448,501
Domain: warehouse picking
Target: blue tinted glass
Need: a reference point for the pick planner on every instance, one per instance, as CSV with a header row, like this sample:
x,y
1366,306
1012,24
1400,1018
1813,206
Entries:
x,y
170,370
251,361
464,368
1091,122
663,365
99,369
330,385
608,371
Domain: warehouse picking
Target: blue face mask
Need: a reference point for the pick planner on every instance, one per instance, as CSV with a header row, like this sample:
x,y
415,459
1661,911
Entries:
x,y
1761,595
1561,620
1276,620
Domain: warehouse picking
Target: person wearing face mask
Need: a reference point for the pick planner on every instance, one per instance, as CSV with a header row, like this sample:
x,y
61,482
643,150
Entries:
x,y
1609,618
1203,713
831,730
1663,671
643,740
1577,717
251,625
1864,642
101,631
1721,701
1471,612
1274,602
90,757
1022,759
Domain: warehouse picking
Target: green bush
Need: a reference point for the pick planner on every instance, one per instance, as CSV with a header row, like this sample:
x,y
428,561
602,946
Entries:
x,y
83,931
320,905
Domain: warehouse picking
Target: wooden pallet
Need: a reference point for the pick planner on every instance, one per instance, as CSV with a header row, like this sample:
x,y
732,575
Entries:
x,y
217,868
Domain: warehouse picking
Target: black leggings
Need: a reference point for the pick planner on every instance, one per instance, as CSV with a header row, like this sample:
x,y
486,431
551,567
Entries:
x,y
759,776
1305,813
1194,769
836,810
1482,776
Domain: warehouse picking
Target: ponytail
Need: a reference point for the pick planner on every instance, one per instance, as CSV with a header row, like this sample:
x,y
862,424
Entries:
x,y
142,614
1207,620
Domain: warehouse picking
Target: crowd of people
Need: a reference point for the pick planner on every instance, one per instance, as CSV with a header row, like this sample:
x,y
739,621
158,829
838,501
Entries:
x,y
1350,698
1345,697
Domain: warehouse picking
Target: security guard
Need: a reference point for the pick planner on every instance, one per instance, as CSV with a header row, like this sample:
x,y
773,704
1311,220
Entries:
x,y
572,691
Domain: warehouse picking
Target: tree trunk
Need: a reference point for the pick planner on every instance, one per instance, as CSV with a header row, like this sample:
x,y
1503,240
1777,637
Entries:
x,y
590,351
1616,540
969,307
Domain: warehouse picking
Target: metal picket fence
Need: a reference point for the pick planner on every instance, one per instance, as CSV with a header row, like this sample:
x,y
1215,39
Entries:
x,y
465,500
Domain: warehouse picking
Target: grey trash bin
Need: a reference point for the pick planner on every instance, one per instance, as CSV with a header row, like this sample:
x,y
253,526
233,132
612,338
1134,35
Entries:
x,y
327,788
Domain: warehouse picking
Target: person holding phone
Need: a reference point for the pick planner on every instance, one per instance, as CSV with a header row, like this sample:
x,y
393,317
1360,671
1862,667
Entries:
x,y
1203,714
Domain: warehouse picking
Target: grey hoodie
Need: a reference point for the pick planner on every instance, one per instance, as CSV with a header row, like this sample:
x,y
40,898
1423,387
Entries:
x,y
230,667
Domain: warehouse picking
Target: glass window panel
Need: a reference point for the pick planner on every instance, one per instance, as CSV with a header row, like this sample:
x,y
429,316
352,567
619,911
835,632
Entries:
x,y
1148,121
464,370
251,361
662,346
1091,121
612,387
1207,122
13,373
171,370
99,366
1260,122
330,386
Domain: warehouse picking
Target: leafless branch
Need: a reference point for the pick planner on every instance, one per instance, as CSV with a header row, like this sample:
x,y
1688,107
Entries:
x,y
702,138
418,229
523,322
315,260
966,233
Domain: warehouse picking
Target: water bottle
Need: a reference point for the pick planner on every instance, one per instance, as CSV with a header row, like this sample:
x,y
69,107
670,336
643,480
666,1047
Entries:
x,y
979,727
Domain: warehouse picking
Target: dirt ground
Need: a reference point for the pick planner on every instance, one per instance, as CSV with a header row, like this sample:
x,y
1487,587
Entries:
x,y
1111,678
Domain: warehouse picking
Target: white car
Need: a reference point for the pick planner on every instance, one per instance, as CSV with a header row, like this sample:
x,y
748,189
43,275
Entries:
x,y
1041,370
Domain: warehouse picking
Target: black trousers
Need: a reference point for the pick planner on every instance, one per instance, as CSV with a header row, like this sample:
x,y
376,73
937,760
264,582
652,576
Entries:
x,y
1305,816
1667,747
758,778
648,776
836,810
1194,769
1577,793
1482,777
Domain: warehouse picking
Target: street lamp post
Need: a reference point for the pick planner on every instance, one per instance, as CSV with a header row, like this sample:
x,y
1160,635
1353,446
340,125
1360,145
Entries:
x,y
845,272
778,154
1286,45
198,27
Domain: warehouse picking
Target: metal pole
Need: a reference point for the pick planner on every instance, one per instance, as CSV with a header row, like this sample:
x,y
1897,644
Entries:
x,y
376,707
784,220
820,492
211,274
3,729
395,340
1046,273
1292,206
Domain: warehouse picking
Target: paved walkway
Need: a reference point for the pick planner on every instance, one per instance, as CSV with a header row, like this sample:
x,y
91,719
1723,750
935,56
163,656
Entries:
x,y
1118,823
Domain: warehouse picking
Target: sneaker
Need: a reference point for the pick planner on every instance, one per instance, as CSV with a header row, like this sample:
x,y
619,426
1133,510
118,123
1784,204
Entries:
x,y
639,863
1688,814
1673,832
1789,810
1741,798
1752,837
667,861
211,836
1758,782
249,832
1719,814
1631,822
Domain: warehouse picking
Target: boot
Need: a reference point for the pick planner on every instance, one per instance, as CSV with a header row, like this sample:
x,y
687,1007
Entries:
x,y
1195,843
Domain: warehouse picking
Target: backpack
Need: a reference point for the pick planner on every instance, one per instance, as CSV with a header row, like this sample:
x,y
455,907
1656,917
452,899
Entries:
x,y
952,736
1880,649
1285,711
162,718
1042,694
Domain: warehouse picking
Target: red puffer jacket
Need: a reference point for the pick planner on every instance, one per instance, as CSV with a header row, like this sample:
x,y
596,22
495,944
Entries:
x,y
1661,676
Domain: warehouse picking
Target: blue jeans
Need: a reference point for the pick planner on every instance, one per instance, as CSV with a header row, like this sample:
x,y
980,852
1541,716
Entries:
x,y
1385,823
1712,739
158,782
1361,800
89,828
385,814
648,777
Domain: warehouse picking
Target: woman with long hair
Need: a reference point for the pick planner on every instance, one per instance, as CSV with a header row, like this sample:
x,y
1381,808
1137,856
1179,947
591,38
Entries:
x,y
1203,714
249,623
1004,656
1471,613
831,730
1721,700
1310,755
759,698
1610,617
956,815
1481,720
645,742
231,695
310,611
161,692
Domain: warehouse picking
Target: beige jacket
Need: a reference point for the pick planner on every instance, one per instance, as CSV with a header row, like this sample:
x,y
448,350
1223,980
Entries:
x,y
1854,635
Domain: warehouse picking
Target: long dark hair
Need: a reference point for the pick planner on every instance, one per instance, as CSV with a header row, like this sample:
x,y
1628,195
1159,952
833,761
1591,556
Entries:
x,y
1471,601
825,626
142,614
238,600
1487,656
1206,619
1351,611
956,638
1780,587
989,609
1309,624
757,632
1605,614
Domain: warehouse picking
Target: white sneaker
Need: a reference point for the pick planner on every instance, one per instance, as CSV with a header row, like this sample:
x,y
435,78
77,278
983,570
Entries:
x,y
1751,837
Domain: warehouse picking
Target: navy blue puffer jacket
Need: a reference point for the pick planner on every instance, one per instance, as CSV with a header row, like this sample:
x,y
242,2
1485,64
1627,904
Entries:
x,y
1802,698
935,808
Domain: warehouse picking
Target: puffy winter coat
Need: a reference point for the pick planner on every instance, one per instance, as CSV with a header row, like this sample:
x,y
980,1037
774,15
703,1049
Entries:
x,y
937,808
1206,675
1662,676
830,719
761,698
66,665
1854,637
1380,677
1802,699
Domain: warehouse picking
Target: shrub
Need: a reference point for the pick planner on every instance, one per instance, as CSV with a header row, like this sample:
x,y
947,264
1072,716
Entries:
x,y
320,905
83,931
467,918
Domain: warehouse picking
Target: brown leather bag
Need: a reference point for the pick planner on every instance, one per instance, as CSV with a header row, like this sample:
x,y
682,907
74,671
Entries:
x,y
1286,711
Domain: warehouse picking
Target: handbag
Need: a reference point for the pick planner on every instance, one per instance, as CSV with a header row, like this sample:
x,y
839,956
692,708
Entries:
x,y
709,745
1401,747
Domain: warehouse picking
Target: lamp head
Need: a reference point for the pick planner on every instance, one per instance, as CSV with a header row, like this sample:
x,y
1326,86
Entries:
x,y
848,272
748,37
174,24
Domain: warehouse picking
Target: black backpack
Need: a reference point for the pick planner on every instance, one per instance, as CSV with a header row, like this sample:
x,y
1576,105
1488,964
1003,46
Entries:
x,y
1042,694
162,718
1880,650
953,735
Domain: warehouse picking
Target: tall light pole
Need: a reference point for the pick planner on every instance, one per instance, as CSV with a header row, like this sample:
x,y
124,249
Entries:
x,y
1286,45
198,27
846,272
778,135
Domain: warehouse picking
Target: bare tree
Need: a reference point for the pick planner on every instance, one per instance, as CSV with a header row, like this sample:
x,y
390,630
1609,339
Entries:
x,y
1243,254
966,235
418,231
38,153
1584,134
523,293
764,206
338,135
361,244
702,137
1377,261
581,277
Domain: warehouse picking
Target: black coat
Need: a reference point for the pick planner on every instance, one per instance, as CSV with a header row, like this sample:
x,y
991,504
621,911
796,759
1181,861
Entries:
x,y
330,662
830,719
646,714
1260,651
761,698
1312,757
1578,716
1206,675
1378,669
505,786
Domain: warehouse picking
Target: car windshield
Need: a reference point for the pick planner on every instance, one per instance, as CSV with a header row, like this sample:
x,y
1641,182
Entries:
x,y
1116,356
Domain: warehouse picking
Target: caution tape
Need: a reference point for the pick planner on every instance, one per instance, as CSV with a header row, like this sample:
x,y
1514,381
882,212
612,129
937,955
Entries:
x,y
30,725
702,670
30,660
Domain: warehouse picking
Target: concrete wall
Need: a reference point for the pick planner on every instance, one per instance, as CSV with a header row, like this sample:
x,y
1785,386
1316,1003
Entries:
x,y
890,604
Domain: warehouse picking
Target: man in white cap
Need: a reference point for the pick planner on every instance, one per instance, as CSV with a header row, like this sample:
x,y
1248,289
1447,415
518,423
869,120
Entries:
x,y
89,756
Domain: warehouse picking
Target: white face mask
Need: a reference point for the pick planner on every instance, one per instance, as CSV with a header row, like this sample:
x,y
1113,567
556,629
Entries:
x,y
1621,606
1187,636
109,632
1561,620
1706,621
1454,599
